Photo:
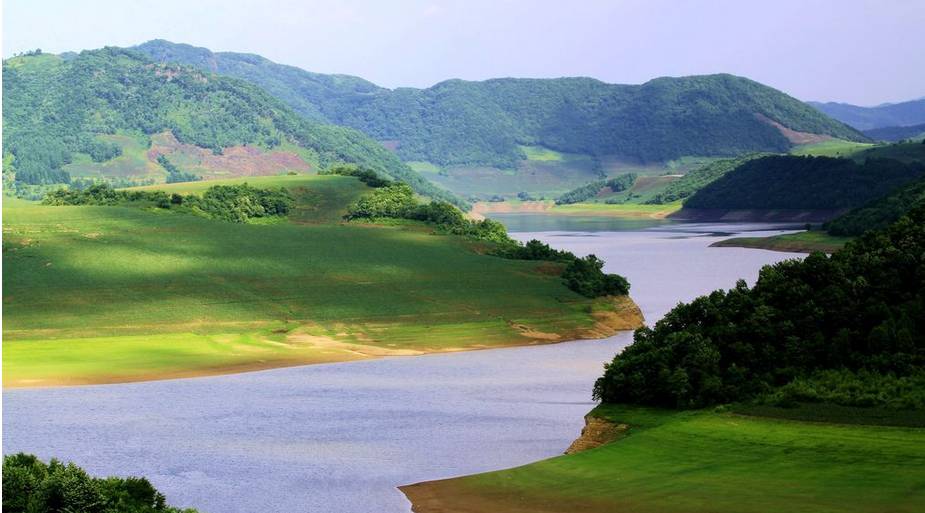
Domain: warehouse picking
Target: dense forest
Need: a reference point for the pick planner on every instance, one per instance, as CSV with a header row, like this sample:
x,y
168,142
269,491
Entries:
x,y
460,122
847,328
33,486
790,182
55,107
880,212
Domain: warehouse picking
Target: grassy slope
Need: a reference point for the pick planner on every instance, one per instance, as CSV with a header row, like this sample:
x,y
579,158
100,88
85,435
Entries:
x,y
103,294
830,148
803,242
673,462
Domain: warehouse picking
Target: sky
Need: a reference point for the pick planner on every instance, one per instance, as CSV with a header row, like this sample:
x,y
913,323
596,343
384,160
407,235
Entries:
x,y
857,51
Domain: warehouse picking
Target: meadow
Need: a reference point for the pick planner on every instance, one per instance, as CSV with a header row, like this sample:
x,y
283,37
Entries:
x,y
109,294
695,461
831,148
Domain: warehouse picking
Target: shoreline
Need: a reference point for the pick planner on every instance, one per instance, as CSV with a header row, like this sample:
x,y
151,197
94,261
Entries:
x,y
548,207
626,316
800,242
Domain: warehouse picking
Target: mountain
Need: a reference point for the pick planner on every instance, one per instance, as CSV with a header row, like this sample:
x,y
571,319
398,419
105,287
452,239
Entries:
x,y
486,123
896,133
115,113
866,118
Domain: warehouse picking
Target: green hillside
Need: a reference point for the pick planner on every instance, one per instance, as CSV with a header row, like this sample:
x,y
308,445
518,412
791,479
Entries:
x,y
879,212
485,123
124,293
112,112
804,183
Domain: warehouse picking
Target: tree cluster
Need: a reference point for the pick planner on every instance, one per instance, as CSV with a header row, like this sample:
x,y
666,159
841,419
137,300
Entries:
x,y
234,203
32,486
861,310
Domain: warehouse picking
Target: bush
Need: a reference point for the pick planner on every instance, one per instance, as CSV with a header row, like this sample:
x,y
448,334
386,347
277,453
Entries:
x,y
30,485
395,200
586,277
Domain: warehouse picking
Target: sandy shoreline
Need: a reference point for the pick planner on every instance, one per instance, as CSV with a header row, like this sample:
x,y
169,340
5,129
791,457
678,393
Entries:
x,y
626,316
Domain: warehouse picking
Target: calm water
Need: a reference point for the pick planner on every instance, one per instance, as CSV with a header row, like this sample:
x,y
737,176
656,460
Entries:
x,y
341,437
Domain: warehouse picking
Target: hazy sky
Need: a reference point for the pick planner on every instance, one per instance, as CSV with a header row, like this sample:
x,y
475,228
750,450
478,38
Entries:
x,y
859,51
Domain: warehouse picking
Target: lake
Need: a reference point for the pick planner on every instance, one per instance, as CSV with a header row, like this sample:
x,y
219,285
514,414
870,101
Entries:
x,y
339,438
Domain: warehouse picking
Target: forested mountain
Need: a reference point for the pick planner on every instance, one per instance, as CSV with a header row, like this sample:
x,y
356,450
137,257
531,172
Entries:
x,y
57,110
484,123
896,133
866,118
805,183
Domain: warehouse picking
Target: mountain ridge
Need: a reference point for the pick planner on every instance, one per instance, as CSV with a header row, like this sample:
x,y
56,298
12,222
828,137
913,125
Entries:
x,y
898,114
458,122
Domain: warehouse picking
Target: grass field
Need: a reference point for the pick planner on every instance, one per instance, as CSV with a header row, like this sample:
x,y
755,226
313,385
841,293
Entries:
x,y
541,153
831,148
106,294
698,461
802,242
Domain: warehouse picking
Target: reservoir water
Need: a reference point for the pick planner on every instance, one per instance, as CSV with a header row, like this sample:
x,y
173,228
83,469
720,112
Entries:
x,y
339,438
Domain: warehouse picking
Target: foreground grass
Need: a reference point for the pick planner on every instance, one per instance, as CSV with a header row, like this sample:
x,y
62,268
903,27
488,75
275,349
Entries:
x,y
706,461
109,294
802,242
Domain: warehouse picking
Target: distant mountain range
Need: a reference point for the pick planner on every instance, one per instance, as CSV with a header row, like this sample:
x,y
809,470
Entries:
x,y
866,118
458,122
896,133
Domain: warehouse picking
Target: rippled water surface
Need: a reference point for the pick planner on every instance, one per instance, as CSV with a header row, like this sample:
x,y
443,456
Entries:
x,y
341,437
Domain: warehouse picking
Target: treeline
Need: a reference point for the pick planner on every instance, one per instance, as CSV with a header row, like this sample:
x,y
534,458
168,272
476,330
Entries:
x,y
585,192
397,201
828,328
805,183
33,486
234,203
